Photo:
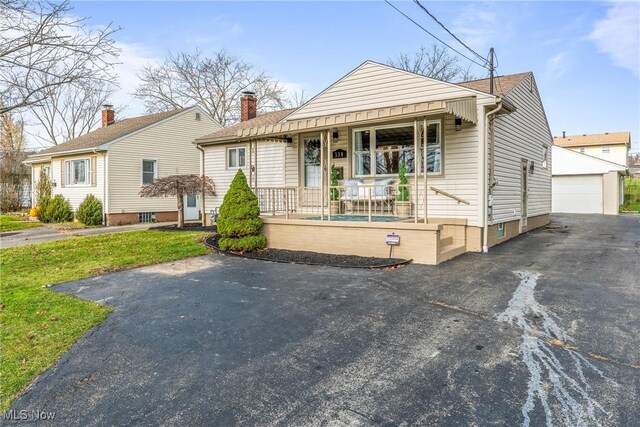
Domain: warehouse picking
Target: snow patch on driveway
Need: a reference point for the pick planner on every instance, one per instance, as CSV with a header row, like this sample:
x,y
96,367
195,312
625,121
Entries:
x,y
181,267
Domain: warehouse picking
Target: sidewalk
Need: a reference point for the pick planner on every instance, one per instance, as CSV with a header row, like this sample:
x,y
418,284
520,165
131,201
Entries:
x,y
48,233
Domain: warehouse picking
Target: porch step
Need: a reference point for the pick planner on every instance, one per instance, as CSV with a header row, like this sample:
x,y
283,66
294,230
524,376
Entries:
x,y
450,251
446,241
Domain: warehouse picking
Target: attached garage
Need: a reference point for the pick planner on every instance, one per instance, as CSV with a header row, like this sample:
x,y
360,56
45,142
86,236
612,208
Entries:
x,y
584,184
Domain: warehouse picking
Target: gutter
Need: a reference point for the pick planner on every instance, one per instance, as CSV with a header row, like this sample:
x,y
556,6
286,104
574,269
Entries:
x,y
485,181
203,195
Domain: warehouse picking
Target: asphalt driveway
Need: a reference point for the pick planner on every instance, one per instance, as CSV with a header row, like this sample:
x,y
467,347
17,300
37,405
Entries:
x,y
543,329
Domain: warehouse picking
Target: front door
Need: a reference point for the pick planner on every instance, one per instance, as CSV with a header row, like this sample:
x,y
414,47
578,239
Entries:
x,y
524,169
312,173
191,207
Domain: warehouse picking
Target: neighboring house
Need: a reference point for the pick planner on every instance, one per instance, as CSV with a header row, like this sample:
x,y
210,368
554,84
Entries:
x,y
612,147
114,161
484,184
585,184
15,181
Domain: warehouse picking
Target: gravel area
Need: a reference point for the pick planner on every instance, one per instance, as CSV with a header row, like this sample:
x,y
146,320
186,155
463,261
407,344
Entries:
x,y
311,258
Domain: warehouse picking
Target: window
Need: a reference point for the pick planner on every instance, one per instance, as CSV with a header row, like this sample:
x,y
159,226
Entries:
x,y
501,230
606,148
381,150
198,117
47,171
236,157
582,150
545,156
77,172
149,171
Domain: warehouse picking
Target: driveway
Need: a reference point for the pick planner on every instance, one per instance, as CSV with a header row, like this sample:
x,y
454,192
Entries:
x,y
542,330
48,233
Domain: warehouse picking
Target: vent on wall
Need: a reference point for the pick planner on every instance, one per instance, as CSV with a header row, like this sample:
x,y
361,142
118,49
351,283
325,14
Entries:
x,y
198,116
147,217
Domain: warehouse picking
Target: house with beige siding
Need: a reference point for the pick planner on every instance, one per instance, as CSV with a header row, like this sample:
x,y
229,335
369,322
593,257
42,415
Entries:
x,y
612,147
114,161
477,162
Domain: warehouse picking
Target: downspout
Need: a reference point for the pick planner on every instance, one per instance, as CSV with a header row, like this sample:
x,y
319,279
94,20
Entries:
x,y
204,212
485,181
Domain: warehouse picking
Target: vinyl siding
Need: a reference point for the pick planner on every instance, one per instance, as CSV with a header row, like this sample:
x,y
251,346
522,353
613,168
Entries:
x,y
171,144
521,135
376,86
617,153
75,194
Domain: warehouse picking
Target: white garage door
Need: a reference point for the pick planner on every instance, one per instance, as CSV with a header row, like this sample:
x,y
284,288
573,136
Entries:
x,y
577,194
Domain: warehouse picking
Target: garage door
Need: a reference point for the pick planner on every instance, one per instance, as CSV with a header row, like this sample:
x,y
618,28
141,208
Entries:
x,y
577,194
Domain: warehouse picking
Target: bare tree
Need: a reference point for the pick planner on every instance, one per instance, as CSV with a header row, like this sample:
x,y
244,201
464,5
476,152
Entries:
x,y
214,83
295,99
178,186
432,62
43,47
14,175
71,110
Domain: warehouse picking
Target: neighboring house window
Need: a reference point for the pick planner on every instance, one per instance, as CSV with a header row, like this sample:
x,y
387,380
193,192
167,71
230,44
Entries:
x,y
606,149
149,171
77,172
236,157
379,150
582,150
545,156
198,116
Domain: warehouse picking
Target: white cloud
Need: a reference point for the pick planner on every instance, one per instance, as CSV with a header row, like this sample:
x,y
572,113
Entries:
x,y
557,65
617,35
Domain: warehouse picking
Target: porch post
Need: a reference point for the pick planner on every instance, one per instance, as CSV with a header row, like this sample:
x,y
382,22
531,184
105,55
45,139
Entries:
x,y
328,175
250,165
322,176
424,153
416,167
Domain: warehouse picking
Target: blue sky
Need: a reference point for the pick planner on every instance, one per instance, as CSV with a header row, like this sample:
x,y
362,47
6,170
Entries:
x,y
585,55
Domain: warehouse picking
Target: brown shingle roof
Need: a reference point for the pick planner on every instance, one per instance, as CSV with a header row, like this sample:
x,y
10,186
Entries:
x,y
262,120
609,138
502,85
109,133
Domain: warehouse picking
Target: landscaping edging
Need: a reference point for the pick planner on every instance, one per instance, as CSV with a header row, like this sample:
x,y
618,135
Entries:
x,y
311,258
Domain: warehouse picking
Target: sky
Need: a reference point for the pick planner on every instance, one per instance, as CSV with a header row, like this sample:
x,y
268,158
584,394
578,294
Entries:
x,y
585,56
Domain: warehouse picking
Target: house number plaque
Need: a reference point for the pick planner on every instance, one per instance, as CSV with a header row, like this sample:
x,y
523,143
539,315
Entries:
x,y
339,154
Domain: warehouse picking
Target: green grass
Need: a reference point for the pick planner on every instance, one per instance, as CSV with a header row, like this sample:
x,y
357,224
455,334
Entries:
x,y
38,325
631,195
15,222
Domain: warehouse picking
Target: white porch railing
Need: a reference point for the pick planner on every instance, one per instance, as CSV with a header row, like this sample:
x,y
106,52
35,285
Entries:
x,y
368,200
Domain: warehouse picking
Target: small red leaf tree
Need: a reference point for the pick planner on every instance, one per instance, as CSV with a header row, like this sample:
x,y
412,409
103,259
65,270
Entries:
x,y
177,186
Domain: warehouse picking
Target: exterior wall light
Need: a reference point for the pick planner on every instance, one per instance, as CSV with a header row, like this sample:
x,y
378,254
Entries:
x,y
458,123
335,135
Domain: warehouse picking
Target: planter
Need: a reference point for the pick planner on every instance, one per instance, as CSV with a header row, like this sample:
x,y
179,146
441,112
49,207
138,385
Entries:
x,y
403,209
335,207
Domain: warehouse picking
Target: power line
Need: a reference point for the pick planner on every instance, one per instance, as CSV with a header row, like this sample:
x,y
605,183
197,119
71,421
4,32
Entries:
x,y
447,30
432,35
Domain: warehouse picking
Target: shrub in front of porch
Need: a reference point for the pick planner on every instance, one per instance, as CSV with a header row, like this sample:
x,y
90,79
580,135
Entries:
x,y
239,222
90,211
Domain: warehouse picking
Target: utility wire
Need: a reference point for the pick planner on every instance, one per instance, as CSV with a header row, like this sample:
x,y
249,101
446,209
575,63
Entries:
x,y
432,35
450,33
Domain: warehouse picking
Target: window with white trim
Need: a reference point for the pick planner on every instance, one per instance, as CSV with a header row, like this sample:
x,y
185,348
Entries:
x,y
77,172
606,149
582,150
379,150
149,171
236,157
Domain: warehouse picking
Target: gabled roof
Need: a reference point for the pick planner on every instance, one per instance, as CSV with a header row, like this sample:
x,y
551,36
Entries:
x,y
502,85
265,119
106,134
568,162
593,139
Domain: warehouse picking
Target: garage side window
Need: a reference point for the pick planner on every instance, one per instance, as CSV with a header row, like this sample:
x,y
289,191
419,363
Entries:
x,y
149,171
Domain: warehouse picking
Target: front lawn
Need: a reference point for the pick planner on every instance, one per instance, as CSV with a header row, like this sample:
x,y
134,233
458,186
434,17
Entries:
x,y
38,325
15,222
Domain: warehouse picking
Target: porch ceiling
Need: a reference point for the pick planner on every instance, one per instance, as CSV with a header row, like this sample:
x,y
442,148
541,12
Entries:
x,y
465,108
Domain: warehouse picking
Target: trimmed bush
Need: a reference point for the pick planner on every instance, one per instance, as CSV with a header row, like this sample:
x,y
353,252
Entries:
x,y
90,211
58,210
42,209
239,222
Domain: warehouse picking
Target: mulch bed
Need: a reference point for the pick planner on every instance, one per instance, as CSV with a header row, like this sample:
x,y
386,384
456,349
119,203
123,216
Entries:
x,y
311,258
187,227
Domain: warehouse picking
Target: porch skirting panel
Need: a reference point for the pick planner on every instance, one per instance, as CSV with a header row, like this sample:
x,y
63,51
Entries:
x,y
134,217
419,242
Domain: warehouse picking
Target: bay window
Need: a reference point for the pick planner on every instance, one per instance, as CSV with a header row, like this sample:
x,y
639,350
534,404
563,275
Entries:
x,y
379,150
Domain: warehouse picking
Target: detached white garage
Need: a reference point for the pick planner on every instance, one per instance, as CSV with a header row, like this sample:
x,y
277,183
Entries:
x,y
585,184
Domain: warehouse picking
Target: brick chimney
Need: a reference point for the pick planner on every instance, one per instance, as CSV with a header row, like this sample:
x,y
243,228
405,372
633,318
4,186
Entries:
x,y
108,115
247,106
